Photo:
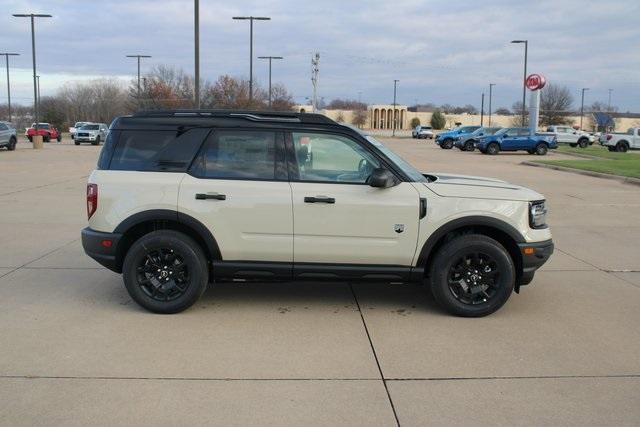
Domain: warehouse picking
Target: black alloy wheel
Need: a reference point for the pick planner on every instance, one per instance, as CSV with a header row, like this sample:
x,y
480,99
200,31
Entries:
x,y
493,148
583,143
473,278
163,275
541,149
469,146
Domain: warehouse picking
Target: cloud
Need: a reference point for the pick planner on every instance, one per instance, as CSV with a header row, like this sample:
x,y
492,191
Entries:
x,y
442,52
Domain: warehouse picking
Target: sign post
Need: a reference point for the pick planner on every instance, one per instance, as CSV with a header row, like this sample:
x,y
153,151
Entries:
x,y
534,83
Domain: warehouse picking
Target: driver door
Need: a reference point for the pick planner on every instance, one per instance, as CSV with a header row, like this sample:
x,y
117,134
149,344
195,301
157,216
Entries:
x,y
338,217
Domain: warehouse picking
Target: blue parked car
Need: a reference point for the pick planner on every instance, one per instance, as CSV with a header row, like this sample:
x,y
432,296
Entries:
x,y
467,142
515,139
446,139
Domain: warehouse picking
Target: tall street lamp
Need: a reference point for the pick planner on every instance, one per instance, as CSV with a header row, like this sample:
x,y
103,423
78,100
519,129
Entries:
x,y
196,37
138,58
491,85
270,58
38,84
524,78
584,89
395,86
251,19
482,110
6,57
32,16
608,103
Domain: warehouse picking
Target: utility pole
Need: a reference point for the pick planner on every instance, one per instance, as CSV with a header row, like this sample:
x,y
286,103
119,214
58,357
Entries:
x,y
138,58
491,85
584,89
6,57
32,16
395,119
315,71
196,44
270,58
251,19
482,110
524,79
38,99
608,103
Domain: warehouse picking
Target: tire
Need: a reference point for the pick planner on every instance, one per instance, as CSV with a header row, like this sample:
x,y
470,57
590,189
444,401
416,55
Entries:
x,y
469,146
30,138
46,138
447,144
12,144
165,255
472,257
96,142
59,138
493,148
76,142
541,149
583,142
621,147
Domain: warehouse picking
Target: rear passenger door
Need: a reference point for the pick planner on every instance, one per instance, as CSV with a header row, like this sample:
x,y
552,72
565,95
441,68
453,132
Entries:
x,y
509,140
238,188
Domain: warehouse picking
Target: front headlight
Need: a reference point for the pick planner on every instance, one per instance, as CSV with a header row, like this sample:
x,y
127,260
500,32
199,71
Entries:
x,y
538,214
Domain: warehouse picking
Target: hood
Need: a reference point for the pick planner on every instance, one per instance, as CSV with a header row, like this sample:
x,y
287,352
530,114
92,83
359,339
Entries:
x,y
448,133
477,187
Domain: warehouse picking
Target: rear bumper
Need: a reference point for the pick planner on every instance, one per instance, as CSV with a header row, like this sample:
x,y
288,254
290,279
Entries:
x,y
540,253
93,245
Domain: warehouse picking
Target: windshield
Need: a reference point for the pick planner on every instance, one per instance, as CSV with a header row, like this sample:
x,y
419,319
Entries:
x,y
501,131
78,124
409,170
467,129
89,127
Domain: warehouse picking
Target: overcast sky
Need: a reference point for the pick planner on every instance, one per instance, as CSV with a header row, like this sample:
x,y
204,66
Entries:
x,y
441,51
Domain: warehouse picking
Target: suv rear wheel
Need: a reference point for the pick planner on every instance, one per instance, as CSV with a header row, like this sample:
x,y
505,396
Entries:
x,y
583,142
541,149
621,147
165,271
469,146
472,276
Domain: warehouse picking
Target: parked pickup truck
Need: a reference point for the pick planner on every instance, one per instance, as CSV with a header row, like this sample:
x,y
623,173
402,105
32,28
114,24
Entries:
x,y
45,130
73,129
8,137
446,139
422,132
571,136
621,142
515,139
467,141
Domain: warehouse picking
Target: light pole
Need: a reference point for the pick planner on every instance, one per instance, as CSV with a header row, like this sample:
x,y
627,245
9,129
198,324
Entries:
x,y
270,58
584,89
6,57
524,79
608,104
482,110
138,58
251,19
491,85
395,87
38,84
196,37
32,16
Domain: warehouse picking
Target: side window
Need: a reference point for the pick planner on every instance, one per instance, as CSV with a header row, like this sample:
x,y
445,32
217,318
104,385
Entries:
x,y
332,158
239,154
3,126
523,132
170,151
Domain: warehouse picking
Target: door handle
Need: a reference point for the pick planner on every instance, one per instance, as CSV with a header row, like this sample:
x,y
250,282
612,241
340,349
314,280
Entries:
x,y
207,196
320,199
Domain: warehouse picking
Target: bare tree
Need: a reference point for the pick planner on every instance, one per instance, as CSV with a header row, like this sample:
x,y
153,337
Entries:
x,y
359,118
345,104
281,99
502,111
555,104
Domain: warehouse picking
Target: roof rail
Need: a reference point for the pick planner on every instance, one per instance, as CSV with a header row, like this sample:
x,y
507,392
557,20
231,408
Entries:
x,y
257,116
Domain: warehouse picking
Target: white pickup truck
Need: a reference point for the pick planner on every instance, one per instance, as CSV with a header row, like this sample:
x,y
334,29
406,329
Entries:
x,y
571,136
621,142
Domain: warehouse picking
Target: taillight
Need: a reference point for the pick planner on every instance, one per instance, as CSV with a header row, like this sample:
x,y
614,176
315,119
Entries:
x,y
609,136
92,199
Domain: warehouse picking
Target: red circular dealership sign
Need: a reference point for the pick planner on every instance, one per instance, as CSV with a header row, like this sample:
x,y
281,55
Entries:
x,y
535,81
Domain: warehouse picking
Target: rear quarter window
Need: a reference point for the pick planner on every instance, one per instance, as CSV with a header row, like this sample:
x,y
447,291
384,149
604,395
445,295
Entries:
x,y
155,151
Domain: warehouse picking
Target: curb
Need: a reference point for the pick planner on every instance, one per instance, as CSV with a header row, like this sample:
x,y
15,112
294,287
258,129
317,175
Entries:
x,y
623,179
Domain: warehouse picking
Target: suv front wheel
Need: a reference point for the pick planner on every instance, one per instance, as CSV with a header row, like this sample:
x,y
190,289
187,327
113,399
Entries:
x,y
472,276
165,271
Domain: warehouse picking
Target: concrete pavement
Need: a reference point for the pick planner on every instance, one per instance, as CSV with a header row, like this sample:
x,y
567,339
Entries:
x,y
77,350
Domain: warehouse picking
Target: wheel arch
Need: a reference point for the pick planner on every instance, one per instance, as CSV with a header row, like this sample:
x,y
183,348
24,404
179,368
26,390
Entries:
x,y
142,223
507,235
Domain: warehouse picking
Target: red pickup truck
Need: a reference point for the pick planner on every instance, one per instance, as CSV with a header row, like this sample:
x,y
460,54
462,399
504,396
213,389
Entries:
x,y
47,132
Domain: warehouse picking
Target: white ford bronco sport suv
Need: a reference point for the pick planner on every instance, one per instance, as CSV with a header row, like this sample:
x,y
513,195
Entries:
x,y
181,199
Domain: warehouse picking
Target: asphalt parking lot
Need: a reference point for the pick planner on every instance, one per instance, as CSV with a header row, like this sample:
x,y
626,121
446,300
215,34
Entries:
x,y
76,350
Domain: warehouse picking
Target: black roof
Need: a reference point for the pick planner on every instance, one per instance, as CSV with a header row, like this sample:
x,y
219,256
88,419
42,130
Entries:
x,y
253,115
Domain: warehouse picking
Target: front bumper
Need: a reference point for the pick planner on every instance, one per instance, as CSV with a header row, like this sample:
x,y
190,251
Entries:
x,y
534,255
86,138
94,246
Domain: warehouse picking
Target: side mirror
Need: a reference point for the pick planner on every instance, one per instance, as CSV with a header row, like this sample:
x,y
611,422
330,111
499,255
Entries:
x,y
382,178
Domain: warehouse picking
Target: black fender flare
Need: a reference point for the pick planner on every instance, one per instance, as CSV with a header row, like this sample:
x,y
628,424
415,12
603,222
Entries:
x,y
469,221
169,215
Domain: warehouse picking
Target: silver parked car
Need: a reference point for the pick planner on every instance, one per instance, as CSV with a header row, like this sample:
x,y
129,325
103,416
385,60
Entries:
x,y
91,132
8,136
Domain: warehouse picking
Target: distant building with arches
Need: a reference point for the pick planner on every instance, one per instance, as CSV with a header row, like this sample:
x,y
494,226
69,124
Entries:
x,y
382,116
